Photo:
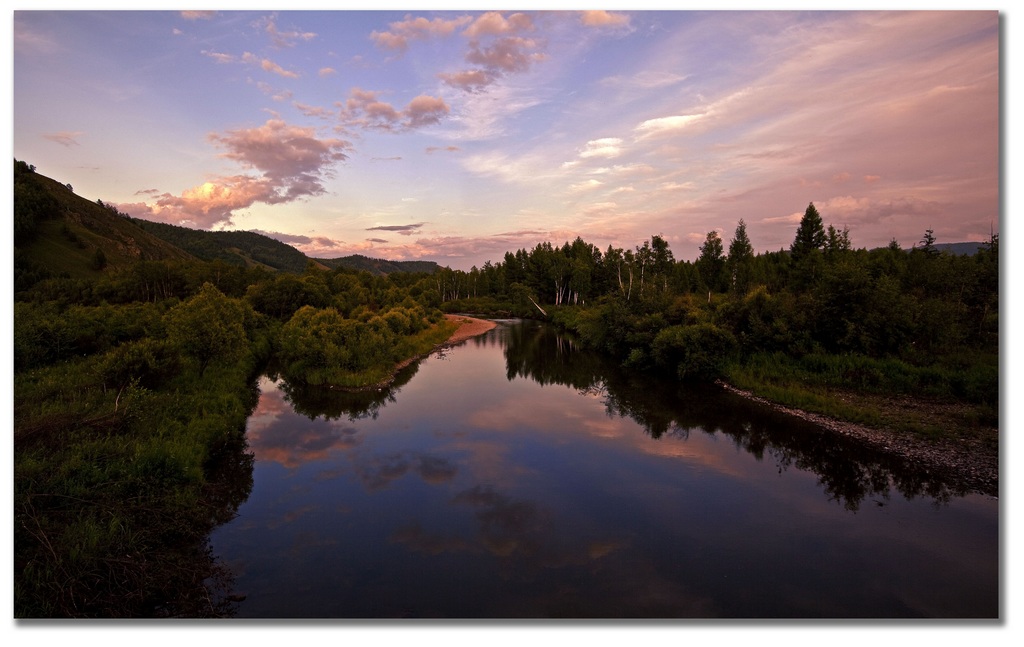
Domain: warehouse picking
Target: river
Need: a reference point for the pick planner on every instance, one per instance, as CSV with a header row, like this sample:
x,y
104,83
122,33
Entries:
x,y
518,476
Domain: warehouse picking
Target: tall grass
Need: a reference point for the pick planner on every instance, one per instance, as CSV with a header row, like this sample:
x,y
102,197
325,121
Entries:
x,y
111,489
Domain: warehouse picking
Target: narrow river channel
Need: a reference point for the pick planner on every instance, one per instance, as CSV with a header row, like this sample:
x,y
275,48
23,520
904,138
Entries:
x,y
518,476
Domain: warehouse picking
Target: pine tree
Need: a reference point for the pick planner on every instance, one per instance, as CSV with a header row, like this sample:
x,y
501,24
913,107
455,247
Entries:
x,y
741,256
711,262
809,236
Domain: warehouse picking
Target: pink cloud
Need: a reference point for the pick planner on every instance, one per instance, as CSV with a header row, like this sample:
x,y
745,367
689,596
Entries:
x,y
198,15
509,54
493,23
468,80
281,152
505,52
208,204
401,32
268,65
425,110
220,57
292,162
313,111
363,108
603,18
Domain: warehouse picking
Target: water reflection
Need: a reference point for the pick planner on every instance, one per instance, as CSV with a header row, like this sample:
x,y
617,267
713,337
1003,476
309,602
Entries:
x,y
485,488
848,471
332,404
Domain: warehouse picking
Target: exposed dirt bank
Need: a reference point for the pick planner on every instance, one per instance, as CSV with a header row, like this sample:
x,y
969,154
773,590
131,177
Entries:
x,y
966,463
468,327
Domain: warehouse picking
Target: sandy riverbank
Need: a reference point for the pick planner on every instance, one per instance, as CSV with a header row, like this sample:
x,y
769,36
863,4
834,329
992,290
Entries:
x,y
468,327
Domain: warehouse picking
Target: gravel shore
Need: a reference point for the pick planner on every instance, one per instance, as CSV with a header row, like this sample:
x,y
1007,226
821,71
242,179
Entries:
x,y
967,464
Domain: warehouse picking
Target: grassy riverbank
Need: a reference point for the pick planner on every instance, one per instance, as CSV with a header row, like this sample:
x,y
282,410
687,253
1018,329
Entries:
x,y
951,400
115,492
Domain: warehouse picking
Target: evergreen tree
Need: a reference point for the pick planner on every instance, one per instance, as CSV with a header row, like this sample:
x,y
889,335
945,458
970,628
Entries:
x,y
741,257
928,243
711,262
809,236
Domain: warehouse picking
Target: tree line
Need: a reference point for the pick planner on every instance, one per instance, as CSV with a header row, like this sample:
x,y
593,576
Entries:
x,y
920,320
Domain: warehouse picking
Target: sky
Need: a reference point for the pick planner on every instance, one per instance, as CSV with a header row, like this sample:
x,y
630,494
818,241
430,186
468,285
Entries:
x,y
455,136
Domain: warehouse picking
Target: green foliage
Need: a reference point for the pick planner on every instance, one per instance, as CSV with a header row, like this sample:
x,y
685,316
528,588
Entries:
x,y
740,260
231,247
810,235
711,262
378,266
208,327
694,352
32,204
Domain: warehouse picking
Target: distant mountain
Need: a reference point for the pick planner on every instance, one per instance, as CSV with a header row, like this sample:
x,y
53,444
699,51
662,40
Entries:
x,y
378,266
235,247
960,249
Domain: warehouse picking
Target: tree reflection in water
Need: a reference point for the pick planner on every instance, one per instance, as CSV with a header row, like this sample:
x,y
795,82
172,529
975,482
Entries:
x,y
848,471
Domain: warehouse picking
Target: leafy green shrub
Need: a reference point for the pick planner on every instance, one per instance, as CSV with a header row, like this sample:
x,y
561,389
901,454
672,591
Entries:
x,y
694,352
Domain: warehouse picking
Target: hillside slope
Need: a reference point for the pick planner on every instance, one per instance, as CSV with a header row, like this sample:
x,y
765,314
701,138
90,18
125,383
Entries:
x,y
234,247
59,232
378,266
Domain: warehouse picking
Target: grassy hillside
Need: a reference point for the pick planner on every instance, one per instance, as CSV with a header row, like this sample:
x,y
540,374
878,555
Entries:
x,y
59,232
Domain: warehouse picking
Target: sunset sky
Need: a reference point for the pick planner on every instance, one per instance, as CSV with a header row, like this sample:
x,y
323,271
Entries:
x,y
456,136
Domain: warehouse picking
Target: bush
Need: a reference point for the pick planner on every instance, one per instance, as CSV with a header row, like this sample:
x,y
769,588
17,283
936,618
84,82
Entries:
x,y
694,352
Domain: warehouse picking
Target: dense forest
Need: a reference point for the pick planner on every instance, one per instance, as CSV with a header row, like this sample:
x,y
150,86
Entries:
x,y
136,347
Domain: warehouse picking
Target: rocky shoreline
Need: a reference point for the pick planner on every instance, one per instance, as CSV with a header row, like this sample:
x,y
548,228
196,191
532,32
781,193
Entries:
x,y
969,465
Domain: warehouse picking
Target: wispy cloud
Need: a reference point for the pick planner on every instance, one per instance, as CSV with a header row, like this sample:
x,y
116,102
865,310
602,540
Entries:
x,y
404,230
65,137
281,39
268,65
666,125
197,15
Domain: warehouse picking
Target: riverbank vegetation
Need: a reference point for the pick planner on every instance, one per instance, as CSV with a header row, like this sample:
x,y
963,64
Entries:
x,y
878,337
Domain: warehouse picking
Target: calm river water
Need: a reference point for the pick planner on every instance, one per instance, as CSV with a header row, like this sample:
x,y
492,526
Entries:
x,y
517,476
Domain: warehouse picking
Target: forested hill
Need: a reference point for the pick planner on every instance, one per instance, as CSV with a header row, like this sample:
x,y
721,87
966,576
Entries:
x,y
378,266
234,247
